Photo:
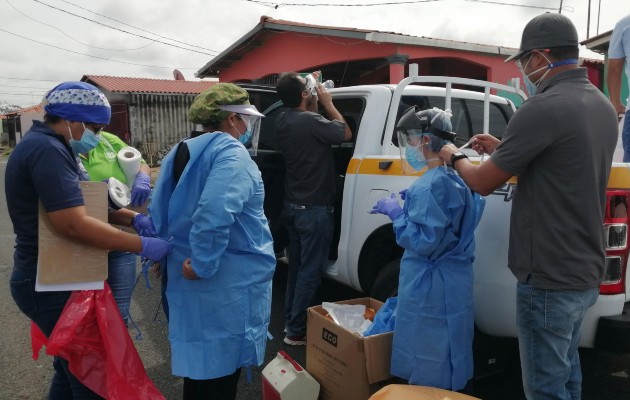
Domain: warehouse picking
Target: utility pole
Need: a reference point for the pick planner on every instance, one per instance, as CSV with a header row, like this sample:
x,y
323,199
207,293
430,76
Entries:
x,y
599,10
588,20
560,9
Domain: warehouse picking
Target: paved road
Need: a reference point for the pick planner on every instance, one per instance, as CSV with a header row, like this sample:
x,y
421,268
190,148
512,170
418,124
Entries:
x,y
606,376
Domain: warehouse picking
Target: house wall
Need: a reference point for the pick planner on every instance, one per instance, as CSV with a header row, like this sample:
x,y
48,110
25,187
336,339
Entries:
x,y
289,51
26,122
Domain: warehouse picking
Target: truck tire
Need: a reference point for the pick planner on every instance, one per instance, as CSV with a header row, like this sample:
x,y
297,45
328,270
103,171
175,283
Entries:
x,y
386,282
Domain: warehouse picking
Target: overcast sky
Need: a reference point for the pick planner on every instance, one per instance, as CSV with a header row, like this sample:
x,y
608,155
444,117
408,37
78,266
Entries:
x,y
43,43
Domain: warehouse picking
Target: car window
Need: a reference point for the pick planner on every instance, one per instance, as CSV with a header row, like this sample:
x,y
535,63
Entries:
x,y
467,118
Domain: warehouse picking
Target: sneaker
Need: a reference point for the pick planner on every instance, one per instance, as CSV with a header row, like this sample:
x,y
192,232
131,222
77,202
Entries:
x,y
295,340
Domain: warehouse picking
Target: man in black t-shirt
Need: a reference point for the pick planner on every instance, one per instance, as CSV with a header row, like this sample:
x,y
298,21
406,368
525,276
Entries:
x,y
305,139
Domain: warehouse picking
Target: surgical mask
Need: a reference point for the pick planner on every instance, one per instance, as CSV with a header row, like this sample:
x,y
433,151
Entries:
x,y
88,141
412,155
244,138
532,87
247,135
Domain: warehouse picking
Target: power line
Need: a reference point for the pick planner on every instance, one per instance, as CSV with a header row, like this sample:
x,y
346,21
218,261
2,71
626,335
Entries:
x,y
29,79
75,39
89,55
21,87
389,3
23,94
135,27
122,30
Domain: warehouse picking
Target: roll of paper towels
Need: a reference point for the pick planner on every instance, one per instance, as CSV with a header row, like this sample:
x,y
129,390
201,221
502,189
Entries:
x,y
129,161
119,194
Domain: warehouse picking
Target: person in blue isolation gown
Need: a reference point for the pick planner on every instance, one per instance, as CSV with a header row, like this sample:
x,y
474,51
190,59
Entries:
x,y
433,334
209,199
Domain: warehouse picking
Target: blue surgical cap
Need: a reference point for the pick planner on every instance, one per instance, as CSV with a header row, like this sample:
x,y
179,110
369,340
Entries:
x,y
78,101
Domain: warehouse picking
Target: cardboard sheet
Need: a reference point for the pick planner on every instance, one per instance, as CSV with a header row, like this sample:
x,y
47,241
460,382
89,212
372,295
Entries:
x,y
67,265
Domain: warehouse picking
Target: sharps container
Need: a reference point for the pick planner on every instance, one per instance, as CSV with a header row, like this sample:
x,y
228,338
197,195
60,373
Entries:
x,y
285,379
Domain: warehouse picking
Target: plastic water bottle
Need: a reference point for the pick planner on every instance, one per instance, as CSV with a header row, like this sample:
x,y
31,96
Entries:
x,y
329,84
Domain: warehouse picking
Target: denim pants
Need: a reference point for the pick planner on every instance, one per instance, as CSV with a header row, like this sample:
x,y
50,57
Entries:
x,y
310,233
549,324
625,137
44,308
121,278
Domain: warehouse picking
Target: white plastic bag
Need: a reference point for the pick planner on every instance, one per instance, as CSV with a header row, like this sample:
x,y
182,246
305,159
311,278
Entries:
x,y
349,316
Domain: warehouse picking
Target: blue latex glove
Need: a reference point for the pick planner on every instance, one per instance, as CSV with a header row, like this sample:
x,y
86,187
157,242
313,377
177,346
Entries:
x,y
388,206
143,225
155,248
403,194
141,189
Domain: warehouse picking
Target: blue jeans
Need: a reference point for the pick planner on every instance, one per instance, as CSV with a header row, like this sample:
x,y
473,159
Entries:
x,y
625,137
310,233
549,324
121,278
44,308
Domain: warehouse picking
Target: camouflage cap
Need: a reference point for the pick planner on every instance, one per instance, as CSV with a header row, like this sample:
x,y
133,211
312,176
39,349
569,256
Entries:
x,y
205,109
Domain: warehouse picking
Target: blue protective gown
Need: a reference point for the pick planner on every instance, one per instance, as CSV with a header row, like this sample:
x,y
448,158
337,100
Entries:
x,y
219,322
434,318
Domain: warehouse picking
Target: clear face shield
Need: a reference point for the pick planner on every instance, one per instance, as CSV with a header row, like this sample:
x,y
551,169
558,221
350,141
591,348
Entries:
x,y
410,145
421,133
250,137
252,119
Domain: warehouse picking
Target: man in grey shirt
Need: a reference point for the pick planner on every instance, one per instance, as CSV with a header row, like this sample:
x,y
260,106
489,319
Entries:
x,y
560,145
305,139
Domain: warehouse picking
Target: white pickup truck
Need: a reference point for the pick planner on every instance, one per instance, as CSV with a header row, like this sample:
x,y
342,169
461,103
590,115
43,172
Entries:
x,y
364,254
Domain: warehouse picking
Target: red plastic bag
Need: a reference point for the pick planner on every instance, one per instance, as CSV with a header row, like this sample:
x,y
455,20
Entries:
x,y
92,337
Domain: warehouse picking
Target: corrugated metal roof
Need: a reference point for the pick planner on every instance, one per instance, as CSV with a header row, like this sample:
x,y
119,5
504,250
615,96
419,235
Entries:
x,y
147,85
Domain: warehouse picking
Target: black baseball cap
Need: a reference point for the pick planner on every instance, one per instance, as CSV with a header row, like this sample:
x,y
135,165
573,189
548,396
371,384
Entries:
x,y
546,31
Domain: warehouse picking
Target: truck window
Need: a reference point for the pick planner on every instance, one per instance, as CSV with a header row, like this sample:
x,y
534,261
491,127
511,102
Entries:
x,y
351,108
499,116
467,116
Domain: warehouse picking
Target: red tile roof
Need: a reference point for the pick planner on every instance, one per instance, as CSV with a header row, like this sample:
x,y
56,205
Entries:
x,y
146,85
36,109
32,109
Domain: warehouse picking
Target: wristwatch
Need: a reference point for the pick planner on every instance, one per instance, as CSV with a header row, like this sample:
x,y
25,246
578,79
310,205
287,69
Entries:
x,y
457,156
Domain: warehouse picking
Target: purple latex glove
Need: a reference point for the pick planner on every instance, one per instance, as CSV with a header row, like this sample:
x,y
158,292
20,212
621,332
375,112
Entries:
x,y
155,248
403,194
143,225
388,206
141,189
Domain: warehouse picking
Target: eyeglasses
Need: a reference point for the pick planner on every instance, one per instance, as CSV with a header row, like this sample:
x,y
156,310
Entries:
x,y
528,55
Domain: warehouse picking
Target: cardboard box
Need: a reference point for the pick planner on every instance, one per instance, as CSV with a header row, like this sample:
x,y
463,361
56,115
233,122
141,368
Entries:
x,y
347,366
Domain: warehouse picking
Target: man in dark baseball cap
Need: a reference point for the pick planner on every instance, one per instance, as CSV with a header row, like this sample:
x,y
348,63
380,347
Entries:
x,y
559,144
546,31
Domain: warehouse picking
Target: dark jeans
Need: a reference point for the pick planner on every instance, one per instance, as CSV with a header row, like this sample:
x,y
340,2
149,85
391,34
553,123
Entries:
x,y
44,308
310,232
223,388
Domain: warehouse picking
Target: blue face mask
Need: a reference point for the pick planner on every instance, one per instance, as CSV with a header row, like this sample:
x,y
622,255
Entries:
x,y
245,137
416,162
529,85
88,141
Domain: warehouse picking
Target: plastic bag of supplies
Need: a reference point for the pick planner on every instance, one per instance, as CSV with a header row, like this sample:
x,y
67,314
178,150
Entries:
x,y
92,337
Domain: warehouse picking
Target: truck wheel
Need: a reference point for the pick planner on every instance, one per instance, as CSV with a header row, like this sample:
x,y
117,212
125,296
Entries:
x,y
386,282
